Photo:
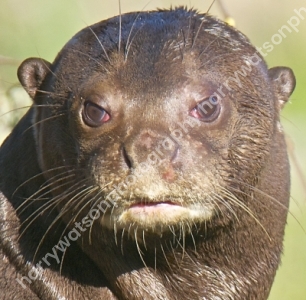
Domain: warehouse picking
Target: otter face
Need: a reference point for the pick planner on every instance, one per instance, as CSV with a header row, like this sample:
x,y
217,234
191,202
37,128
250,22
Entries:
x,y
156,130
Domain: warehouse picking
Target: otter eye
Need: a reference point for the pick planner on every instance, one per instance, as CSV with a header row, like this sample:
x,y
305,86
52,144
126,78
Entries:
x,y
94,115
207,110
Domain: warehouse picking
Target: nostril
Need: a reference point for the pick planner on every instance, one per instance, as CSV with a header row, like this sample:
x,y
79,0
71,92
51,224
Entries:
x,y
126,158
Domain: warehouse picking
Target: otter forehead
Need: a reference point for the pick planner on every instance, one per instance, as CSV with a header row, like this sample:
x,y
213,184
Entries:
x,y
153,29
149,47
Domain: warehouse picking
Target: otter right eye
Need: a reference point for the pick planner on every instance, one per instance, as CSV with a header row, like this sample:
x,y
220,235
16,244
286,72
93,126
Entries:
x,y
94,115
207,110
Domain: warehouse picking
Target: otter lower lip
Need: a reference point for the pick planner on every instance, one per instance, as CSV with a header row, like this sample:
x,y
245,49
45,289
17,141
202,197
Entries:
x,y
155,208
153,204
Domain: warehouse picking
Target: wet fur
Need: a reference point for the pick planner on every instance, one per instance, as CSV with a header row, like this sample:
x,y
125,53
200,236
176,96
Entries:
x,y
233,255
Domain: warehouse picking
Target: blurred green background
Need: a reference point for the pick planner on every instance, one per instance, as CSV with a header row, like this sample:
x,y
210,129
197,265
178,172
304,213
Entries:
x,y
40,28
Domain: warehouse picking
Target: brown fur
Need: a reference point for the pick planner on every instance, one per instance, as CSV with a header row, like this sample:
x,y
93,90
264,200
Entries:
x,y
148,77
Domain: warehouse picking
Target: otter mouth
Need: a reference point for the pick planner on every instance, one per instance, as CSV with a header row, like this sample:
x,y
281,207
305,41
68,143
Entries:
x,y
155,209
152,214
154,205
157,215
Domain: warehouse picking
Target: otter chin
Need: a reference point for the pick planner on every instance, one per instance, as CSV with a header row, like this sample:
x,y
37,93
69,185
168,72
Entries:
x,y
151,165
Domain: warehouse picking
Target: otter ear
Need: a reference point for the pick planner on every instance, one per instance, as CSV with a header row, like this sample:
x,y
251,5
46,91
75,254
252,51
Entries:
x,y
31,74
284,83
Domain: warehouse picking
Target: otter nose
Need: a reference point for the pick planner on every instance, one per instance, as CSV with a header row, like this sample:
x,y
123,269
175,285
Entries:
x,y
151,148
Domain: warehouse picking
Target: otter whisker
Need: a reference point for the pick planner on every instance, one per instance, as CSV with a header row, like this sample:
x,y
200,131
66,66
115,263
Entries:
x,y
138,248
255,189
186,39
89,56
44,120
211,5
53,94
70,191
79,198
172,230
90,229
182,228
155,258
120,27
62,260
98,198
239,203
101,189
215,58
178,45
121,246
207,47
43,208
112,212
15,109
47,190
144,240
35,177
103,216
180,232
215,203
56,219
129,229
46,65
128,44
165,256
197,33
85,193
43,196
273,199
174,255
38,175
115,232
185,253
192,237
195,226
227,205
100,43
201,24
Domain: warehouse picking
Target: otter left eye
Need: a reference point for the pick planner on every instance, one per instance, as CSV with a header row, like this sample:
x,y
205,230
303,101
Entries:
x,y
94,115
207,110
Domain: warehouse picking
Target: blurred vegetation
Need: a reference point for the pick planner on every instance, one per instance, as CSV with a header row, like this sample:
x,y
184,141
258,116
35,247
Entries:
x,y
40,28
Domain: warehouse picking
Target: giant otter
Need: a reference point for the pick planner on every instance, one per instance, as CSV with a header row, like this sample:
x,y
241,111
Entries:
x,y
151,165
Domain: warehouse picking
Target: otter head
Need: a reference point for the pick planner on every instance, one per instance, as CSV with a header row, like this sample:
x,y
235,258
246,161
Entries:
x,y
164,125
